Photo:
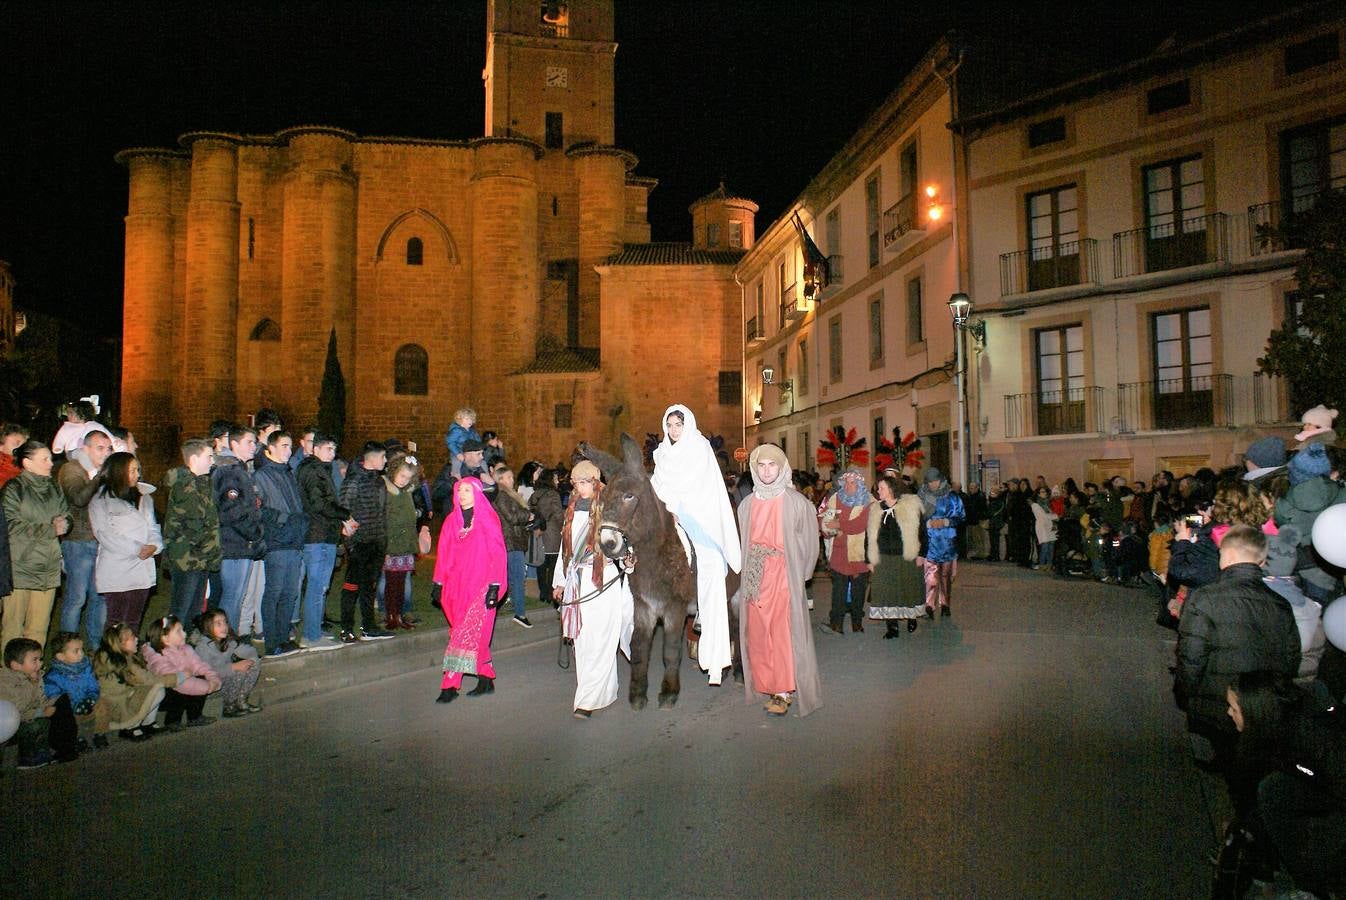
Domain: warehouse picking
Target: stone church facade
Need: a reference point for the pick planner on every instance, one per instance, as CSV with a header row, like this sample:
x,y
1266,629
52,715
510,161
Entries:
x,y
512,273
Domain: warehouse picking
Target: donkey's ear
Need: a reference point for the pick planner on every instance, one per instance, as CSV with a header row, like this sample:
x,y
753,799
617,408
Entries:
x,y
632,453
607,464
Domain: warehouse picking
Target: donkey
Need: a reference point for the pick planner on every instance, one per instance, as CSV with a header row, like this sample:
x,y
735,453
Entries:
x,y
637,530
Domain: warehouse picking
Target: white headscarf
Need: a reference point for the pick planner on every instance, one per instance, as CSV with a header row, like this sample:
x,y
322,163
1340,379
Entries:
x,y
688,479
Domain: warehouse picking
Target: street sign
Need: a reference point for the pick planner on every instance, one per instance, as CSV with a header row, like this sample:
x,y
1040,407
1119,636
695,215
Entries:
x,y
741,454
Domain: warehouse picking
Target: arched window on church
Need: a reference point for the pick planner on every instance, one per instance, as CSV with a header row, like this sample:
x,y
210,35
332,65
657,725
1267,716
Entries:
x,y
415,251
265,330
411,370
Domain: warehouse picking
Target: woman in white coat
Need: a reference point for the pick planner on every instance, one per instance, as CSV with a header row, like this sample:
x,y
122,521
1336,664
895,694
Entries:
x,y
122,517
688,480
596,606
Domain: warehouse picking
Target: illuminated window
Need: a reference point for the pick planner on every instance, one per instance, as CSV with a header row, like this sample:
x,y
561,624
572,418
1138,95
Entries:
x,y
411,370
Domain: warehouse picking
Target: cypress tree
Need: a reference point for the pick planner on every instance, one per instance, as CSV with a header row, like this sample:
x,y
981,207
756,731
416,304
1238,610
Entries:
x,y
332,395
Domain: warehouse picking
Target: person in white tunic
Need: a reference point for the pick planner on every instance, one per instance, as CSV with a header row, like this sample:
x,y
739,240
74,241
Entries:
x,y
596,606
688,480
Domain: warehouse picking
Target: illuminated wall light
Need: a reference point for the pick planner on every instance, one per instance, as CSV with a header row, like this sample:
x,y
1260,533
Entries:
x,y
934,210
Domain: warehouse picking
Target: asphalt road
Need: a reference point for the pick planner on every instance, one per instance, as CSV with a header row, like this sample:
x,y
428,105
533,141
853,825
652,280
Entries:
x,y
1027,747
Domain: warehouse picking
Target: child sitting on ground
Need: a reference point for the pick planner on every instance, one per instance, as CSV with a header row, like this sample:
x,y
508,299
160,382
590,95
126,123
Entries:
x,y
70,674
235,663
130,692
43,726
166,653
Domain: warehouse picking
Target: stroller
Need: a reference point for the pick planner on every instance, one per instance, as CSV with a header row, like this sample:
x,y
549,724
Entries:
x,y
1070,559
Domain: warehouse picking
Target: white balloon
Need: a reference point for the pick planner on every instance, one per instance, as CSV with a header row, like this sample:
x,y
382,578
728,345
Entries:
x,y
9,720
1334,623
1329,534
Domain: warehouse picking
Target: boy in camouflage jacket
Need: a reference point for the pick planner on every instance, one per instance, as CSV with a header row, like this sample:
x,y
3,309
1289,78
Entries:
x,y
191,529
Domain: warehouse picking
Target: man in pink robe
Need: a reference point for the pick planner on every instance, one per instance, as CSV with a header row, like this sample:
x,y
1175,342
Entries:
x,y
779,533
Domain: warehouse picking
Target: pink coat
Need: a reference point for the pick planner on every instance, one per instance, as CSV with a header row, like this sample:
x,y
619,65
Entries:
x,y
201,678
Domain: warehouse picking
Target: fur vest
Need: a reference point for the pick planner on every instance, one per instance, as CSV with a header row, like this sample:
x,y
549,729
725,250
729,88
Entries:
x,y
907,512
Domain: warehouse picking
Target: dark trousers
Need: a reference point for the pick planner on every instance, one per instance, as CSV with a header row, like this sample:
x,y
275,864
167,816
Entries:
x,y
189,596
284,572
1307,827
176,704
57,732
364,564
858,584
128,607
1021,544
994,535
545,572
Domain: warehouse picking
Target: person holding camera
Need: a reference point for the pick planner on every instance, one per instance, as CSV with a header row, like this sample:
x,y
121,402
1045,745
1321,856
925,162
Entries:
x,y
1194,560
470,570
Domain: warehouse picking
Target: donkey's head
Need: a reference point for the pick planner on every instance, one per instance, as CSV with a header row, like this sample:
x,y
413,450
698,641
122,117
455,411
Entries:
x,y
631,515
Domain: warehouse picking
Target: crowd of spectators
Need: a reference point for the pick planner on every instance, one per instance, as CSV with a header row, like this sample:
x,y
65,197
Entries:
x,y
256,524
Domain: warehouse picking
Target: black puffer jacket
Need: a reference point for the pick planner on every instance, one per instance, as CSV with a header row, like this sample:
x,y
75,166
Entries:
x,y
318,489
1233,625
365,495
240,506
1194,563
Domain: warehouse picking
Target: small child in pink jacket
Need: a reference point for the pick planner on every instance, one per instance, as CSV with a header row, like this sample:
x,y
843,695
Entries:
x,y
166,652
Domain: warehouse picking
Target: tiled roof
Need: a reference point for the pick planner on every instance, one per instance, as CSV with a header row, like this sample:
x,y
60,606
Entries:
x,y
672,253
721,193
547,362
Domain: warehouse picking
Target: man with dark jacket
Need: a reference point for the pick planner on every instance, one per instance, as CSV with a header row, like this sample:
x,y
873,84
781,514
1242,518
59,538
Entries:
x,y
327,522
79,479
364,493
285,525
242,541
974,506
191,529
995,520
1235,624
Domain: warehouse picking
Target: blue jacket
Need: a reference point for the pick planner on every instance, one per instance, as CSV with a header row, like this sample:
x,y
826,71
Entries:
x,y
77,682
284,521
942,543
457,436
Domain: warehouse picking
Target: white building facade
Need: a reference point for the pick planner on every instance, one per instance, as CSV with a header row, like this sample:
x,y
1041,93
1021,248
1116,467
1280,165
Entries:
x,y
1117,255
873,349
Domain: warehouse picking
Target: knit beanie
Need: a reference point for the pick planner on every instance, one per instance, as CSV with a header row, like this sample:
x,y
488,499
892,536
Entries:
x,y
1315,422
1309,462
1268,453
933,474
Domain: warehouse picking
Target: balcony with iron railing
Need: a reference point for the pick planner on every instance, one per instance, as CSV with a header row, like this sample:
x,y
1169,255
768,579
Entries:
x,y
835,275
1042,413
1043,268
1175,404
1158,248
1266,221
754,333
900,220
792,304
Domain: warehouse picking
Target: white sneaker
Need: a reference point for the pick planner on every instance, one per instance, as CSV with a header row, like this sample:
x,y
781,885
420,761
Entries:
x,y
326,642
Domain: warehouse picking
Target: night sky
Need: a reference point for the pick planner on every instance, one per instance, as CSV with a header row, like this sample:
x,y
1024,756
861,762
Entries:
x,y
759,93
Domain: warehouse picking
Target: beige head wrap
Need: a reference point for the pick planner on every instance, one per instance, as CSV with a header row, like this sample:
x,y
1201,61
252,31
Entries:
x,y
585,469
783,480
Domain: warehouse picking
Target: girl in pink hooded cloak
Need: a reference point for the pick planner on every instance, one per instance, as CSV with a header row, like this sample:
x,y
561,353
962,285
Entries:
x,y
471,557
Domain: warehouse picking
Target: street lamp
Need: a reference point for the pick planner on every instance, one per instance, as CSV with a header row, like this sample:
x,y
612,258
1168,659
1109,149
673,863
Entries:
x,y
960,308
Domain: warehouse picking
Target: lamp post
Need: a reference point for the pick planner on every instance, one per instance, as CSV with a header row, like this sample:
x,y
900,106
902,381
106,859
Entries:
x,y
960,308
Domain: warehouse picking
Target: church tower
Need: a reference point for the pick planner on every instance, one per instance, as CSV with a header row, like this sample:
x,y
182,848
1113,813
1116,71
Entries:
x,y
549,71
